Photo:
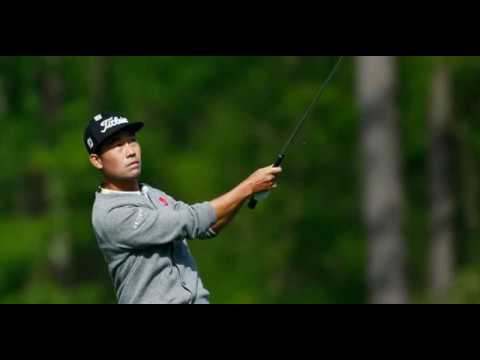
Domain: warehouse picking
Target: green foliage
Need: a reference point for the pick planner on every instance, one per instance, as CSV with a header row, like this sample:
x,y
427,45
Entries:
x,y
210,122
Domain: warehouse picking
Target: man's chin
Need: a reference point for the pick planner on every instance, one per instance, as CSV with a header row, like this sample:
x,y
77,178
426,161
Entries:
x,y
132,175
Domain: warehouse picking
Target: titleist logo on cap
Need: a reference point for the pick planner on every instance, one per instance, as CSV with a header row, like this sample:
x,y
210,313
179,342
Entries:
x,y
111,122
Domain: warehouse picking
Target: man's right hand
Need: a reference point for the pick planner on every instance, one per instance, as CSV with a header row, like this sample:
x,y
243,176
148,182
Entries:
x,y
226,206
263,179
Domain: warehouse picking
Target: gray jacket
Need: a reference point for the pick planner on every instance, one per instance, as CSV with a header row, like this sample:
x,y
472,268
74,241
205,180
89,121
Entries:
x,y
143,238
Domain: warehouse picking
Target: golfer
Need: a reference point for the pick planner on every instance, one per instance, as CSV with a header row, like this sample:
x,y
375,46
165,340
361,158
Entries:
x,y
143,232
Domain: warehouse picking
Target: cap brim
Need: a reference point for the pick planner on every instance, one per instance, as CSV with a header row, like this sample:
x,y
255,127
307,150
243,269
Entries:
x,y
131,127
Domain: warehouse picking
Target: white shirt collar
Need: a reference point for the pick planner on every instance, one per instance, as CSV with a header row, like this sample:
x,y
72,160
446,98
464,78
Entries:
x,y
144,191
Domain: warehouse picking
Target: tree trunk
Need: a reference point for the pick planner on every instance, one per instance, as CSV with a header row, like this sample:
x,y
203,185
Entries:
x,y
382,180
98,73
52,86
470,191
441,254
3,98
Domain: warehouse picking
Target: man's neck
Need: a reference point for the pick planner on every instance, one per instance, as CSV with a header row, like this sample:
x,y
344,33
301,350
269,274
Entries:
x,y
121,185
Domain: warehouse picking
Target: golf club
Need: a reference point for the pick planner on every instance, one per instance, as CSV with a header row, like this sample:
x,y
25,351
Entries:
x,y
252,204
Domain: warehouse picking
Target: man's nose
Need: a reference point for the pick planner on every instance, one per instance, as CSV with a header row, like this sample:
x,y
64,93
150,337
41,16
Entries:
x,y
130,151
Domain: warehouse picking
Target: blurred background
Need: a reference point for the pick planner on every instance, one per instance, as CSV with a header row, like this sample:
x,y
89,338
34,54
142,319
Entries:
x,y
378,202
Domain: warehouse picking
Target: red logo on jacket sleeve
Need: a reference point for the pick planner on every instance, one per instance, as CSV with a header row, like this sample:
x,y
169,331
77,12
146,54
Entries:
x,y
163,200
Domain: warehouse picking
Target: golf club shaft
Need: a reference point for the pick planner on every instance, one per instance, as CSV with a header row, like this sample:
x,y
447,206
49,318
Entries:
x,y
252,204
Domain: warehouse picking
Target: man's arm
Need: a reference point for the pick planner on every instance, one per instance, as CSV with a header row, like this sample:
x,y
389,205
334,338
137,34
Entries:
x,y
227,206
131,227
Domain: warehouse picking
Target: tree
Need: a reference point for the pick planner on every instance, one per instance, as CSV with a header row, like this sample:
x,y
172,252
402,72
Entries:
x,y
98,71
3,99
382,180
441,249
51,90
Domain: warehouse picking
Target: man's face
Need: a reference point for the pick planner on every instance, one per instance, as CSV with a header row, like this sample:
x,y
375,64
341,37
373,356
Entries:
x,y
120,157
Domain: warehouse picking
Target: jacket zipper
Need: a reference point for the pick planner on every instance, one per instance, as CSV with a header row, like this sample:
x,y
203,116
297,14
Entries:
x,y
172,257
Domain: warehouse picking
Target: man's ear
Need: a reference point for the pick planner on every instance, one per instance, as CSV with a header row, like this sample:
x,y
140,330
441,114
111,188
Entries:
x,y
96,161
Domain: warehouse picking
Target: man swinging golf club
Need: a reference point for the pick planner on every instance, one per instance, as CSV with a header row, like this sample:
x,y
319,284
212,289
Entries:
x,y
142,232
